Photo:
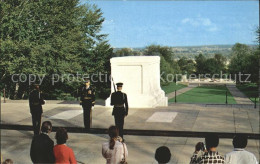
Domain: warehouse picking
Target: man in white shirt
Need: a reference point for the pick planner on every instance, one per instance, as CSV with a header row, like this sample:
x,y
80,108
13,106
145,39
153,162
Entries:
x,y
239,155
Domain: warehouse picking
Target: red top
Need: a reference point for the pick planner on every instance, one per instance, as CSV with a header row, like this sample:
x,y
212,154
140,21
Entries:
x,y
63,154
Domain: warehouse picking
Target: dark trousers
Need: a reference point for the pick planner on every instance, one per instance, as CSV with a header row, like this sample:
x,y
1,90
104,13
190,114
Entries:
x,y
36,121
87,116
119,121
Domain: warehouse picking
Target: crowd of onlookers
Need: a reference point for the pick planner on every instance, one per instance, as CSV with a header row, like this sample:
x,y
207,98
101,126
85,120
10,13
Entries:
x,y
207,153
115,150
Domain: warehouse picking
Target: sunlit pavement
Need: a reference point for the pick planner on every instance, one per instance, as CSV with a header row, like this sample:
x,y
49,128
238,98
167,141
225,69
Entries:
x,y
87,147
177,117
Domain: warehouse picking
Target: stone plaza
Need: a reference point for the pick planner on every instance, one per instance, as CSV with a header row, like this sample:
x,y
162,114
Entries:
x,y
15,144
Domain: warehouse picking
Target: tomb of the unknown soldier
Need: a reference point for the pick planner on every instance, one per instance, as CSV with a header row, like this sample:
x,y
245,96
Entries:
x,y
141,78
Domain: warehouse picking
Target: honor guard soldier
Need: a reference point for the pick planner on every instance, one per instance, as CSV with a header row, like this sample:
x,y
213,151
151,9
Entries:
x,y
120,110
35,102
87,100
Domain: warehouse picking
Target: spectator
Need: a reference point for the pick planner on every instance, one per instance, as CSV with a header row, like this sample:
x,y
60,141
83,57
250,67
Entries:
x,y
8,161
162,155
63,154
210,154
114,151
42,145
239,155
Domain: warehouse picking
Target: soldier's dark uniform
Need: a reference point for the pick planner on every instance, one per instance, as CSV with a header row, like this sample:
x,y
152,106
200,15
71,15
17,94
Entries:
x,y
120,110
35,102
87,100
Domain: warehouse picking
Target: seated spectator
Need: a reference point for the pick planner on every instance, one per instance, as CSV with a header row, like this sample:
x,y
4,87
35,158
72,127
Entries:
x,y
63,154
8,161
114,151
42,146
239,155
162,155
210,154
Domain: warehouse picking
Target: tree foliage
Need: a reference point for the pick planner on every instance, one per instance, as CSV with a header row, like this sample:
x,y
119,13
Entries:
x,y
214,65
187,66
51,37
200,64
127,52
167,64
245,61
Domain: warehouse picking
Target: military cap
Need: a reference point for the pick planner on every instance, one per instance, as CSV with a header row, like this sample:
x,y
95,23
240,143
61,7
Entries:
x,y
119,84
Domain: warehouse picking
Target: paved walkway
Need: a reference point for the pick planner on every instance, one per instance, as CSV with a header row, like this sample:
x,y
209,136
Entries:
x,y
238,95
180,91
176,117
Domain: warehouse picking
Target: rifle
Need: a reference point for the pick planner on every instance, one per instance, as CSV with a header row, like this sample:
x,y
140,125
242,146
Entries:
x,y
114,84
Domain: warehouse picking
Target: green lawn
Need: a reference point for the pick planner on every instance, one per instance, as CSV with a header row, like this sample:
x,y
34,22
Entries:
x,y
206,94
172,87
250,90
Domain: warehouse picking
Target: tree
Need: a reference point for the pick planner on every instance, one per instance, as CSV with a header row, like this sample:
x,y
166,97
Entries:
x,y
214,65
200,64
254,61
103,84
124,52
50,37
167,64
245,60
157,50
258,35
211,66
220,63
252,67
186,65
240,59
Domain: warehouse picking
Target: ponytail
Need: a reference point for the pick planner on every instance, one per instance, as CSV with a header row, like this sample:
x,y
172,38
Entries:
x,y
113,133
112,143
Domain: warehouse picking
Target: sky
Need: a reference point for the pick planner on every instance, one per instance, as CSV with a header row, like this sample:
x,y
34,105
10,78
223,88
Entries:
x,y
136,24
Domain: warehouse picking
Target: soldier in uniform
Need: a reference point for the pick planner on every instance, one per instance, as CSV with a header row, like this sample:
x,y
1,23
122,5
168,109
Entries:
x,y
87,100
120,110
35,102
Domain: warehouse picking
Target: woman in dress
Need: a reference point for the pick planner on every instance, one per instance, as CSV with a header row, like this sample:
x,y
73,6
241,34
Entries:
x,y
63,154
114,151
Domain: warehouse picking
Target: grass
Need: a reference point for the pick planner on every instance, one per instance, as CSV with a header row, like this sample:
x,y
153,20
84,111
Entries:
x,y
206,94
172,87
250,90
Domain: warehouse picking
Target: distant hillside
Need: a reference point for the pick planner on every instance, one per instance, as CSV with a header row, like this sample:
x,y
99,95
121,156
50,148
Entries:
x,y
208,50
192,51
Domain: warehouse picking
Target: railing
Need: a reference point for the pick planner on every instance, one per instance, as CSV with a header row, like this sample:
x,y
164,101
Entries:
x,y
224,102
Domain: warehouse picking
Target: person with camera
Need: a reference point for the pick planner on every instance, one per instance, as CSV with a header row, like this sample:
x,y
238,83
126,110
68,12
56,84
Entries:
x,y
42,146
35,102
209,154
114,151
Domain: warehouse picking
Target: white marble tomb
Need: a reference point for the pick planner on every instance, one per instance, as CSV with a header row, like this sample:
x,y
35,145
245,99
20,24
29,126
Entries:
x,y
141,78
